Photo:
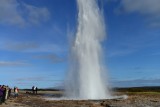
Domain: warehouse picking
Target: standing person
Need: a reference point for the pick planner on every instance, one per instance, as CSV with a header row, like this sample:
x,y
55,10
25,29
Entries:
x,y
7,90
4,93
33,90
16,92
36,90
1,95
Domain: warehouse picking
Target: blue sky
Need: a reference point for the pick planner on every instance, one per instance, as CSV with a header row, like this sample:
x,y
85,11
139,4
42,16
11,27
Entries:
x,y
35,38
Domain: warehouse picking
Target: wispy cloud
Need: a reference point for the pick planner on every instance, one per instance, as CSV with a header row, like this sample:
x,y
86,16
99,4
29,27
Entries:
x,y
35,80
122,52
38,78
21,46
36,14
9,13
156,54
134,43
13,63
40,84
30,47
31,79
53,58
137,68
14,12
148,8
136,82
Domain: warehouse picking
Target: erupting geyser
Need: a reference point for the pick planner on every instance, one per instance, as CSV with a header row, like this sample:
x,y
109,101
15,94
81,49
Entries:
x,y
85,80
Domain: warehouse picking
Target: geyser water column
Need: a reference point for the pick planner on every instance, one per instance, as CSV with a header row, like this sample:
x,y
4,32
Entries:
x,y
85,80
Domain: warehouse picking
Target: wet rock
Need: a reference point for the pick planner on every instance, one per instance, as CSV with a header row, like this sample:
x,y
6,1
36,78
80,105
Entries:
x,y
105,104
153,100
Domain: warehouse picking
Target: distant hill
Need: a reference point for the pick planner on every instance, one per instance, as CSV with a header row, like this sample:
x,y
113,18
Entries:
x,y
139,89
128,89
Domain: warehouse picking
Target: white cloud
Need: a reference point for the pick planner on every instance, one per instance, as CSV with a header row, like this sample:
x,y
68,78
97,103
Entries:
x,y
51,57
35,14
20,46
31,79
9,13
30,47
122,52
39,81
148,8
13,12
13,63
136,82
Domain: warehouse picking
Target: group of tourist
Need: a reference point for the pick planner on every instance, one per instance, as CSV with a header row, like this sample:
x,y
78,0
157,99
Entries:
x,y
5,93
34,90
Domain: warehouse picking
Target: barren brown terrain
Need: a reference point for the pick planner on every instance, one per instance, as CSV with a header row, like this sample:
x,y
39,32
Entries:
x,y
135,99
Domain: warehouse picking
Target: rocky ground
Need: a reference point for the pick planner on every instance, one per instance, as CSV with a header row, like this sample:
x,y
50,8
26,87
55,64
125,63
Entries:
x,y
141,99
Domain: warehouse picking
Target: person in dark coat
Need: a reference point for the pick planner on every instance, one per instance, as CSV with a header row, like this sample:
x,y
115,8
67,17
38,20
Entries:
x,y
33,89
9,92
36,90
4,93
1,94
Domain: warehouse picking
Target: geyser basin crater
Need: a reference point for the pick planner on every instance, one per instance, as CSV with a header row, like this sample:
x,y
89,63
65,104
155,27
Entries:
x,y
122,97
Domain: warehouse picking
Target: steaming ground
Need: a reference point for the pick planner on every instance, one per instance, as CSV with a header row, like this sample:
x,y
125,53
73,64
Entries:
x,y
120,97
